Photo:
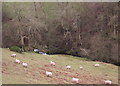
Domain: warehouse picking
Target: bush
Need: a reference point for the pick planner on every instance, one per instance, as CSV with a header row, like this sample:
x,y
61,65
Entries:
x,y
16,49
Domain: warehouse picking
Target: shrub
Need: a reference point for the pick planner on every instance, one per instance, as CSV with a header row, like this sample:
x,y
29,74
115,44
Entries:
x,y
113,38
16,49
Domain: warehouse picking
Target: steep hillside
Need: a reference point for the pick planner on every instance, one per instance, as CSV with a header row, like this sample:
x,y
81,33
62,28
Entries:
x,y
14,73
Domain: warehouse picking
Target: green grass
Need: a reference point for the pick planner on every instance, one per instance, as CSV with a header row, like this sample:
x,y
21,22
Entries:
x,y
15,73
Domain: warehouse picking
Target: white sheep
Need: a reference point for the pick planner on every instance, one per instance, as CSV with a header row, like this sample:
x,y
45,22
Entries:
x,y
48,73
24,64
17,61
75,80
81,67
13,55
97,65
108,82
52,63
68,66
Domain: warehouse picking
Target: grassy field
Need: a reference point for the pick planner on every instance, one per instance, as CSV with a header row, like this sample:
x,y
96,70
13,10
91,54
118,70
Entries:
x,y
13,73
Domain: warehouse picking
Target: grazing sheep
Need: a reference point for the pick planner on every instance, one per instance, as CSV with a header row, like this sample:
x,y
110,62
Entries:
x,y
24,64
108,82
68,67
75,80
97,65
52,63
13,55
81,67
48,73
17,61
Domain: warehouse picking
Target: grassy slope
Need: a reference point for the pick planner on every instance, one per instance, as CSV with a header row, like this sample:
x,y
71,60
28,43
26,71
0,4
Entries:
x,y
37,65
